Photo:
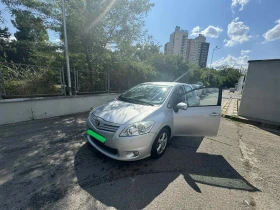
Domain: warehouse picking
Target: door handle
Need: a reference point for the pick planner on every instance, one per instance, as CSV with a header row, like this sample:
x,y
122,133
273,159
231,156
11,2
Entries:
x,y
214,114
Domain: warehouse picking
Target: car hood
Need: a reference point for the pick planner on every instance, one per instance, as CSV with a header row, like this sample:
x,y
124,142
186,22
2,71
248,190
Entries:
x,y
120,112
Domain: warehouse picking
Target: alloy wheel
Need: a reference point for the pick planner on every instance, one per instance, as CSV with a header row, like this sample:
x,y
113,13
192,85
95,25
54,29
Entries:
x,y
161,144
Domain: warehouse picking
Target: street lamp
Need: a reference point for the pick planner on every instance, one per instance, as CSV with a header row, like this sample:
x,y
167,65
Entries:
x,y
216,48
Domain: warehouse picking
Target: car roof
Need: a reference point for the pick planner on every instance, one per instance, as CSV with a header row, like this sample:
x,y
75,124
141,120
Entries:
x,y
166,83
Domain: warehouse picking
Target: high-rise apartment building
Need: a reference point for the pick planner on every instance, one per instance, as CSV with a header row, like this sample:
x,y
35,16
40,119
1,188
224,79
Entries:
x,y
203,54
177,43
195,51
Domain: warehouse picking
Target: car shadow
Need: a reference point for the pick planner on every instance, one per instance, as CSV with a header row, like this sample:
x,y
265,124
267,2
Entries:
x,y
133,185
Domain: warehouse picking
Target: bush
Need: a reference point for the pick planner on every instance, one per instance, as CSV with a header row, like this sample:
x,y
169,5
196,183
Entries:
x,y
46,83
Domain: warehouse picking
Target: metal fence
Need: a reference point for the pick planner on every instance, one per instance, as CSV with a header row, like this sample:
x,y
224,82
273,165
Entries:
x,y
118,82
86,82
19,80
90,82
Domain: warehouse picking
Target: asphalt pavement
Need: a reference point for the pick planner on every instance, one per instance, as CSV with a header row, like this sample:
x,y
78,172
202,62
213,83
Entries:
x,y
47,164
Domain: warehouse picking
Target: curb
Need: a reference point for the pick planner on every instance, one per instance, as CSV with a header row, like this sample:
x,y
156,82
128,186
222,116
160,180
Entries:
x,y
253,122
235,110
225,107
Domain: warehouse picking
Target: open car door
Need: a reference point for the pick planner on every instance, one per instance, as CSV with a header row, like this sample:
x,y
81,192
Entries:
x,y
202,115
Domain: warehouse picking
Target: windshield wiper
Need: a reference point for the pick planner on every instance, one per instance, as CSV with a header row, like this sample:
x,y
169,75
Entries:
x,y
145,102
134,101
124,99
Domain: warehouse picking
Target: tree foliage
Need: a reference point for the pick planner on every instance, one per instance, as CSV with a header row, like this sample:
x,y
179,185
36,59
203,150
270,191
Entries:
x,y
103,35
29,27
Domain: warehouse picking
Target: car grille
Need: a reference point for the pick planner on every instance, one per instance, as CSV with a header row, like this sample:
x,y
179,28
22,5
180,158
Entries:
x,y
100,124
104,147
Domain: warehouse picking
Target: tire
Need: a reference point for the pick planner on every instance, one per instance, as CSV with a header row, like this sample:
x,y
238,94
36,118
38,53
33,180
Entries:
x,y
157,150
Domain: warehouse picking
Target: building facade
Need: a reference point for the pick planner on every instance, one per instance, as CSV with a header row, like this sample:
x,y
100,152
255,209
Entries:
x,y
167,48
195,51
177,43
203,54
240,84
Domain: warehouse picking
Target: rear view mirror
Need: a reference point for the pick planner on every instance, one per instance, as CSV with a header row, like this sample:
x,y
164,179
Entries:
x,y
181,105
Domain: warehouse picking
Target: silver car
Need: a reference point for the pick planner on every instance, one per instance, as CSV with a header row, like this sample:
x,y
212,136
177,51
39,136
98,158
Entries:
x,y
140,122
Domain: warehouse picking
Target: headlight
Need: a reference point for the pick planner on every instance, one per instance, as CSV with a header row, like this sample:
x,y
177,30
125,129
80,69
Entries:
x,y
137,128
92,110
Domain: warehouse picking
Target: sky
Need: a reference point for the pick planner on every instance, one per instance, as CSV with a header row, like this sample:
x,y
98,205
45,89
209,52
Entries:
x,y
242,29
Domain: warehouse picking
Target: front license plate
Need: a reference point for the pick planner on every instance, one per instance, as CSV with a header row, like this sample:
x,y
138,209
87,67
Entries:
x,y
96,136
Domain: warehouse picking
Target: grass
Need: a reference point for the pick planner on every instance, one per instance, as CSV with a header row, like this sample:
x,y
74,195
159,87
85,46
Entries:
x,y
32,87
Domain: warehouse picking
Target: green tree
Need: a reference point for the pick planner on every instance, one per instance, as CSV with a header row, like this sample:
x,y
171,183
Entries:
x,y
32,45
5,45
230,76
103,35
94,25
29,27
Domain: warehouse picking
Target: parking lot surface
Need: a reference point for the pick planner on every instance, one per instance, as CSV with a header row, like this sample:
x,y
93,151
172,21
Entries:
x,y
47,164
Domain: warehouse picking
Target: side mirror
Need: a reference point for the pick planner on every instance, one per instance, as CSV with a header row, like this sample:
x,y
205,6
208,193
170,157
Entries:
x,y
181,105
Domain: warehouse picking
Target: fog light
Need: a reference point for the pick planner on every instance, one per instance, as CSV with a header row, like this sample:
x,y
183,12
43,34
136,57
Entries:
x,y
135,153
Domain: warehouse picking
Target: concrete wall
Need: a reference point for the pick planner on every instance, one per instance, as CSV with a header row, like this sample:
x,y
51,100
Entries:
x,y
261,93
240,84
18,110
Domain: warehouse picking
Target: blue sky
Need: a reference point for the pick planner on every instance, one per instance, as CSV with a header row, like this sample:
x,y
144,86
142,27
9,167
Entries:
x,y
236,26
247,21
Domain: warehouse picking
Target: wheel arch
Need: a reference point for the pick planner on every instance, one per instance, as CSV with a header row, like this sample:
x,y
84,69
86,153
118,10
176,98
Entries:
x,y
168,128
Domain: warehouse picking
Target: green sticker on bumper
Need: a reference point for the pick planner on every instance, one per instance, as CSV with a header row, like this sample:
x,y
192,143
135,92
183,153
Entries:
x,y
96,135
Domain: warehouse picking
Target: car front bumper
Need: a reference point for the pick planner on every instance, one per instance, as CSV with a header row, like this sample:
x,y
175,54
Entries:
x,y
122,148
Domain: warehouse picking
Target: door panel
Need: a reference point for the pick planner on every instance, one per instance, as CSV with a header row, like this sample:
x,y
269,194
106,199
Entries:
x,y
202,118
196,121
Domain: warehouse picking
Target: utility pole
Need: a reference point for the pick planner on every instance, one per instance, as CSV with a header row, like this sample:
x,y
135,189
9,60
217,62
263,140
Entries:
x,y
66,49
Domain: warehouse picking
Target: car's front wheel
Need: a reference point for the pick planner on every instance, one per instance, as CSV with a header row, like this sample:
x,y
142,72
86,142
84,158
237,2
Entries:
x,y
160,143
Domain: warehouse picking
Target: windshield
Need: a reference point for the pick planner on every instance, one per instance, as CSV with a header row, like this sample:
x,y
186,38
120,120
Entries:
x,y
150,94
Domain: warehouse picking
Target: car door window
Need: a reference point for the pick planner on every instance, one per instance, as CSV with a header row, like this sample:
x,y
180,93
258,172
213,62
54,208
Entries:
x,y
192,99
187,88
208,97
178,96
